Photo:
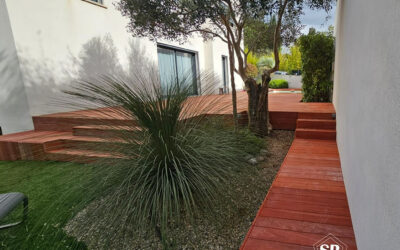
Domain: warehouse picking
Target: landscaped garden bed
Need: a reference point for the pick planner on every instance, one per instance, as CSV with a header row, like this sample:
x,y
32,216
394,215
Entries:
x,y
60,191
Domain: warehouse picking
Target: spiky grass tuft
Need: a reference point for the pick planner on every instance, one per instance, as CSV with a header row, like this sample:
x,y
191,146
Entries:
x,y
171,163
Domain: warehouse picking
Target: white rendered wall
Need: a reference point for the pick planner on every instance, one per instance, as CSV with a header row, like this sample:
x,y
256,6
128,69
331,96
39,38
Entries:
x,y
59,41
367,102
14,108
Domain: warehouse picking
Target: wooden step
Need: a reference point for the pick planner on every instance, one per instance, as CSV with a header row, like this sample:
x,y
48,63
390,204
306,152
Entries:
x,y
323,134
103,131
80,156
325,116
60,123
86,143
316,124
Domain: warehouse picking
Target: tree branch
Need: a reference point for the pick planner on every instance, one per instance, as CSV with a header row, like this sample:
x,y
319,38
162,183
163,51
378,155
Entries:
x,y
282,8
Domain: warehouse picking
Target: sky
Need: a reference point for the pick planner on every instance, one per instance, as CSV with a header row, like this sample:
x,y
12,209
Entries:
x,y
317,19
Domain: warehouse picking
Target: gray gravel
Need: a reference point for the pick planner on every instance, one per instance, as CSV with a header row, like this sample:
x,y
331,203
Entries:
x,y
225,229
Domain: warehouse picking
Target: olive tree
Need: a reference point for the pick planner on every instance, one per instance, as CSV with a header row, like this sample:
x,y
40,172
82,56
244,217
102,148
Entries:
x,y
225,20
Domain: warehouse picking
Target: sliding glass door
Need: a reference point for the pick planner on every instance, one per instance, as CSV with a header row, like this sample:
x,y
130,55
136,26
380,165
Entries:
x,y
177,67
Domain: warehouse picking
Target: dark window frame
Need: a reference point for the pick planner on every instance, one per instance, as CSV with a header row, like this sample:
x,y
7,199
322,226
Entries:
x,y
99,3
225,73
196,60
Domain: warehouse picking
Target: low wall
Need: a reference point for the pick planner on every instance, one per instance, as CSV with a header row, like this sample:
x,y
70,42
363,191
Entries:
x,y
294,81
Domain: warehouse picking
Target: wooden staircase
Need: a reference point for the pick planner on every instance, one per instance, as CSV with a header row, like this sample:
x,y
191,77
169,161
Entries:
x,y
316,126
82,136
66,138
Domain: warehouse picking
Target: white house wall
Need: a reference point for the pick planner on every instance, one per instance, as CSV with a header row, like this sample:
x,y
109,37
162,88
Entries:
x,y
14,108
59,41
367,101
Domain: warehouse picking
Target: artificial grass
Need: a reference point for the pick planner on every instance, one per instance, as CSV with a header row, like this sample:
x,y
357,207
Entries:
x,y
56,192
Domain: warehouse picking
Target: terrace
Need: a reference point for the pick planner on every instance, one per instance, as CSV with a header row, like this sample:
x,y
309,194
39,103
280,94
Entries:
x,y
55,133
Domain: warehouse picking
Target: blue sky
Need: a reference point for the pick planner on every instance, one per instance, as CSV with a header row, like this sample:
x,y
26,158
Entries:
x,y
317,19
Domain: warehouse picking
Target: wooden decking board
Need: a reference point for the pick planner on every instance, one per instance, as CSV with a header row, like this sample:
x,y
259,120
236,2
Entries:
x,y
309,193
307,207
305,216
293,162
316,176
307,199
256,244
293,237
321,201
316,187
305,226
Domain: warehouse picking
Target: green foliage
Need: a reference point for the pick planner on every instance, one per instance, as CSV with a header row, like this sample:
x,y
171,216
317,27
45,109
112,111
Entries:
x,y
252,143
174,163
317,55
265,62
278,84
259,35
292,61
178,19
251,58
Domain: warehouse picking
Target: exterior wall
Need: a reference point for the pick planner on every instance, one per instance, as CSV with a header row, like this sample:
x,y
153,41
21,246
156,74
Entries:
x,y
60,41
14,108
367,101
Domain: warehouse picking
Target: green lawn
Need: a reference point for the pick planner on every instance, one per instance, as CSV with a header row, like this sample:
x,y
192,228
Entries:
x,y
56,192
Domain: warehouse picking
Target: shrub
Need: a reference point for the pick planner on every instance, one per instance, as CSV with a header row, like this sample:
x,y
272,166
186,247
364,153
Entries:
x,y
174,163
278,84
317,55
251,70
265,62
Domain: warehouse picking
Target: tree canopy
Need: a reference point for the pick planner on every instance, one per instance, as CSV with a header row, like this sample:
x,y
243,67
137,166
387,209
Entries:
x,y
225,19
259,35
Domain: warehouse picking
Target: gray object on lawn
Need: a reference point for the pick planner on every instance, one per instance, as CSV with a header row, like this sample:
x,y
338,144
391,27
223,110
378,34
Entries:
x,y
8,202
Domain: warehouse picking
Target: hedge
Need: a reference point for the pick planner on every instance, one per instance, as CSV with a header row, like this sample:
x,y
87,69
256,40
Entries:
x,y
278,84
317,55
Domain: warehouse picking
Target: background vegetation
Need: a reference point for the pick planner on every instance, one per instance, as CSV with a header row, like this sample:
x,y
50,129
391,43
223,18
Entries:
x,y
278,84
317,56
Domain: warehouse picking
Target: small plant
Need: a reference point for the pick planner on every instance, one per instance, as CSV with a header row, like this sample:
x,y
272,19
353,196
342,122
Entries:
x,y
265,62
278,84
173,162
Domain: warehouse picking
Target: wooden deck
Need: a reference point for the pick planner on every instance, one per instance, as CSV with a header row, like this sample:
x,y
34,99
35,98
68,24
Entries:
x,y
55,132
307,200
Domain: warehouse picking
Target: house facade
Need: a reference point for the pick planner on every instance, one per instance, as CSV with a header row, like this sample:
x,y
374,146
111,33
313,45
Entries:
x,y
367,101
47,45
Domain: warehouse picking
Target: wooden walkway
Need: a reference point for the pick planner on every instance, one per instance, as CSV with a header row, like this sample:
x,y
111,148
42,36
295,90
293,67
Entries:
x,y
307,200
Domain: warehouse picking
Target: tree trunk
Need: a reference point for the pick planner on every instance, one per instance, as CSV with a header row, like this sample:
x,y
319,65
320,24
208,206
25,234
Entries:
x,y
232,74
258,105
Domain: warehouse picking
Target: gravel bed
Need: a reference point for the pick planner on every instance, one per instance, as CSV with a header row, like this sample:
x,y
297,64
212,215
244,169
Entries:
x,y
225,229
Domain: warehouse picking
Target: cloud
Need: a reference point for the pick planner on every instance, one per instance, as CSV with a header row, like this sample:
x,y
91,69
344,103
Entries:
x,y
318,19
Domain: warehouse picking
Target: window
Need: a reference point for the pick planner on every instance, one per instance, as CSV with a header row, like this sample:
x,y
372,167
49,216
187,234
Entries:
x,y
177,67
225,76
96,2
